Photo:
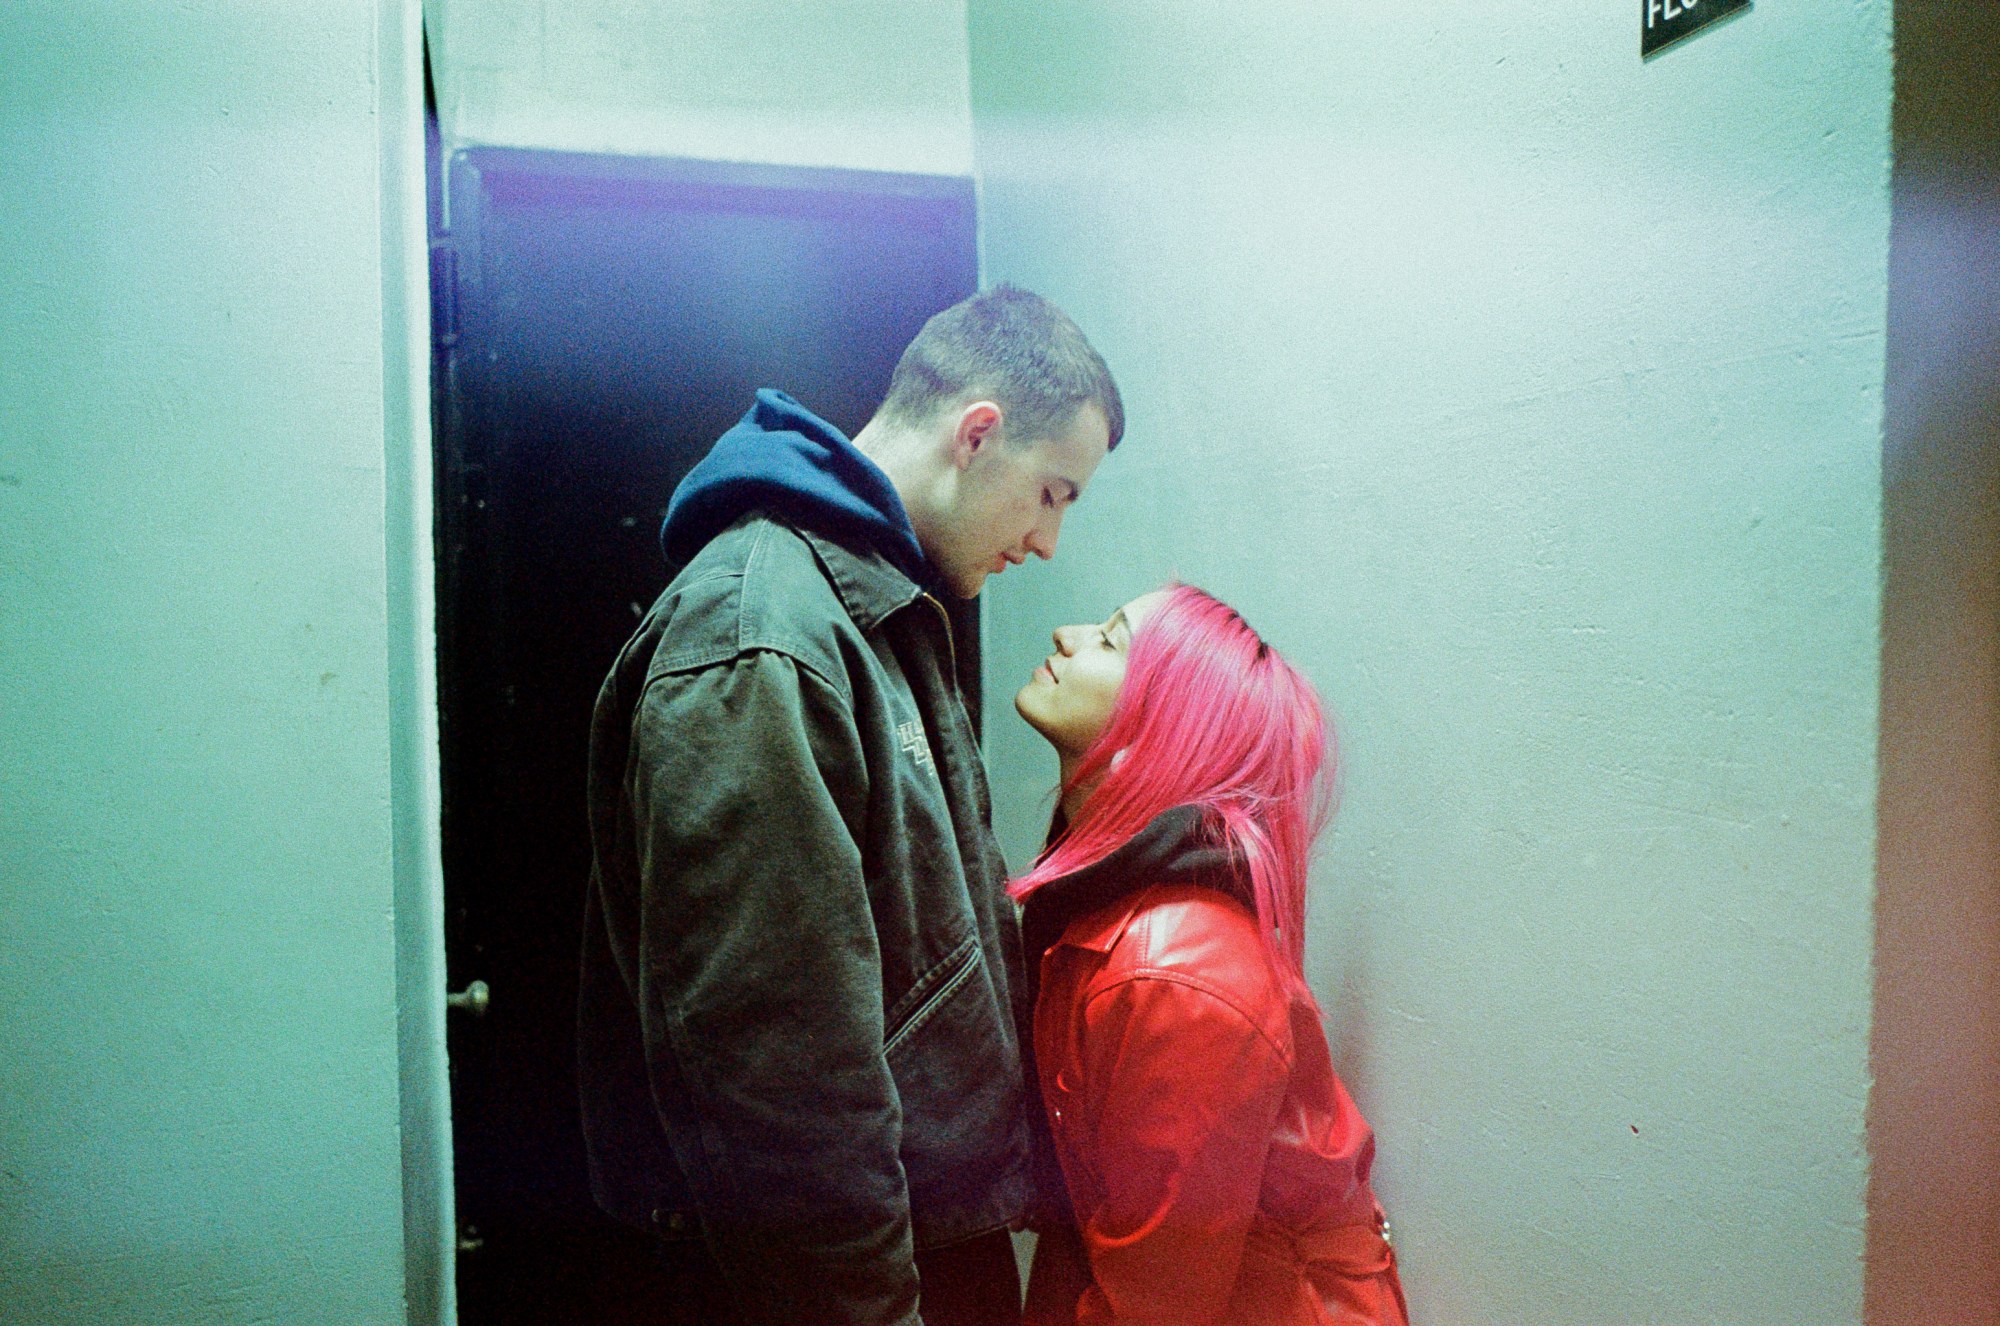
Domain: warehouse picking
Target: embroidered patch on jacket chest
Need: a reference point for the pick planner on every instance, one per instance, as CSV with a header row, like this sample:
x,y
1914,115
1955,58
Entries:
x,y
915,744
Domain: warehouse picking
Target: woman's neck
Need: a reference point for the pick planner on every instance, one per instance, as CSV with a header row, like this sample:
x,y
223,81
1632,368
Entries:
x,y
1073,798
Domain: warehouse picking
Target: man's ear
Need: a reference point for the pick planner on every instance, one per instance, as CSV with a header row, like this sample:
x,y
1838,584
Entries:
x,y
977,429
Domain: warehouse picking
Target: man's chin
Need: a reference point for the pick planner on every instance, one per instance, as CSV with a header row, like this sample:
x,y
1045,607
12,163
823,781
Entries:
x,y
966,584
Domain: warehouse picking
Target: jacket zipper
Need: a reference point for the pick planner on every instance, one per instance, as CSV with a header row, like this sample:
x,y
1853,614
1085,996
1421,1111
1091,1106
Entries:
x,y
950,645
951,657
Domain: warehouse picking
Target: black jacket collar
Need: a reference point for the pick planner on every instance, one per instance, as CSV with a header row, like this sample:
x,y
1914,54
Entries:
x,y
1176,847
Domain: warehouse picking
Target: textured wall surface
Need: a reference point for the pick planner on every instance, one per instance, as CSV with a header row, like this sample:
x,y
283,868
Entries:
x,y
1934,1118
1531,397
198,1056
866,84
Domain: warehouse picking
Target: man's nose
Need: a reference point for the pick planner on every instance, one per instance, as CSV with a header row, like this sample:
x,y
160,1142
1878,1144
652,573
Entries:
x,y
1041,540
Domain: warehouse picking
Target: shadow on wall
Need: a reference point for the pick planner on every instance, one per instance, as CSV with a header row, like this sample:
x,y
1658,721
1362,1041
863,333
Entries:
x,y
1934,1116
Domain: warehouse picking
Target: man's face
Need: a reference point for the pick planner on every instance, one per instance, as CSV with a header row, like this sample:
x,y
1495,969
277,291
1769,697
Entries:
x,y
1011,498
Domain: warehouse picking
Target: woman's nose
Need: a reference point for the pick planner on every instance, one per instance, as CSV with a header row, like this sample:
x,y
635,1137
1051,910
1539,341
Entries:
x,y
1063,636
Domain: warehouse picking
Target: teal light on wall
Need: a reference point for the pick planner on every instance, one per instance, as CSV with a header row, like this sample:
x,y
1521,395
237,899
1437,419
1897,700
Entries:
x,y
1529,396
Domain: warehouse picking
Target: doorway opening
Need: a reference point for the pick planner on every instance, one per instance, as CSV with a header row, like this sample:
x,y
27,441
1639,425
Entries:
x,y
598,322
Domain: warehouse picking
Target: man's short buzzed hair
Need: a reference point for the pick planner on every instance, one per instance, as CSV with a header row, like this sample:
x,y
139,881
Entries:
x,y
1013,347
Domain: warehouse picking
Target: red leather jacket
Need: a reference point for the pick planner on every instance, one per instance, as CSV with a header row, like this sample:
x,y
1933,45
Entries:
x,y
1216,1168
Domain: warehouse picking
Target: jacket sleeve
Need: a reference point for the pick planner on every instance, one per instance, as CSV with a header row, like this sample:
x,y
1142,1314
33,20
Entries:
x,y
1181,1091
761,991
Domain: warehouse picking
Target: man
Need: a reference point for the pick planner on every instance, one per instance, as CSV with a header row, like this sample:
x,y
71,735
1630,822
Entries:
x,y
799,1019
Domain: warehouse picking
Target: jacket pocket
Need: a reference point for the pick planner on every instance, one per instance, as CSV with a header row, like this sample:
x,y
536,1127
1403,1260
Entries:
x,y
930,992
957,1071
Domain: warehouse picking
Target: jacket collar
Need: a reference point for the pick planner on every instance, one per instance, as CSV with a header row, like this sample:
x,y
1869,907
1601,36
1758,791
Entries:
x,y
869,585
1091,908
1100,931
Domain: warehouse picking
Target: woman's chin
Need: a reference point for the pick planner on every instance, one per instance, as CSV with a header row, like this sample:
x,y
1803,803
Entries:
x,y
1024,705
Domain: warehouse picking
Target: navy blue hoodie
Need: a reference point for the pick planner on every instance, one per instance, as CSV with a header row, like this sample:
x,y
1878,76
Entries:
x,y
784,459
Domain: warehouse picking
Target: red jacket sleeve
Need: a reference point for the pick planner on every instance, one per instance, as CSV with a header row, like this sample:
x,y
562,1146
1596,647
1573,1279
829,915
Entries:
x,y
1180,1093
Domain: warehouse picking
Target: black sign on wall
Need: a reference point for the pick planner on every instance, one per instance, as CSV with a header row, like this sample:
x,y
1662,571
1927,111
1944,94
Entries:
x,y
1664,22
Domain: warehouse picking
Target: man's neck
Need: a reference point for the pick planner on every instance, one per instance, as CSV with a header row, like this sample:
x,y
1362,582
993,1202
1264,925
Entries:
x,y
904,457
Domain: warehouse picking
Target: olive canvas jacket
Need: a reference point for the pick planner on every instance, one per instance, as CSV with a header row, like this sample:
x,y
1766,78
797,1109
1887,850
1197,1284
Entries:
x,y
799,1017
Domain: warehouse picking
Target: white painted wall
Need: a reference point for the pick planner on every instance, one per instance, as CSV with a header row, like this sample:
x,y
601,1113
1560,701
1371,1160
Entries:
x,y
1531,397
865,84
207,252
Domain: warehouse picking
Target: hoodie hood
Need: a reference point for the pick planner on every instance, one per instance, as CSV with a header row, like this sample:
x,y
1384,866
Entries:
x,y
1175,847
784,459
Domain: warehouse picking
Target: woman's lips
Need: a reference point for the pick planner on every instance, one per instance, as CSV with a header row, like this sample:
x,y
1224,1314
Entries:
x,y
1044,670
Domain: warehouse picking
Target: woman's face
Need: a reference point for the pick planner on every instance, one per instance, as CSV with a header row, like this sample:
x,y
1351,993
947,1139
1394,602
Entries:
x,y
1070,697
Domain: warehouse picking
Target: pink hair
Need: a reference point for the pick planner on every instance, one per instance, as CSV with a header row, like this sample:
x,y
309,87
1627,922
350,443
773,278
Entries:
x,y
1209,716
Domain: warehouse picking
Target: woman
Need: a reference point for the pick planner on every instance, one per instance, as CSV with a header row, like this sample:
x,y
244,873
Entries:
x,y
1215,1169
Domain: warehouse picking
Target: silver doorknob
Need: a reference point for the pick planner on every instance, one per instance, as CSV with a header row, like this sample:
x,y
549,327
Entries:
x,y
472,999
